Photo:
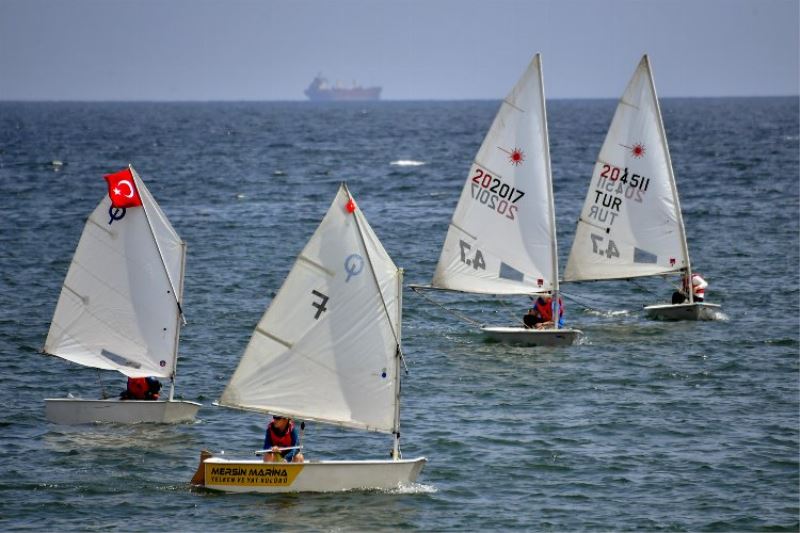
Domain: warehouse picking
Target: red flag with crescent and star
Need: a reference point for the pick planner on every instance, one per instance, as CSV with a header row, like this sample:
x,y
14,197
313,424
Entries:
x,y
122,189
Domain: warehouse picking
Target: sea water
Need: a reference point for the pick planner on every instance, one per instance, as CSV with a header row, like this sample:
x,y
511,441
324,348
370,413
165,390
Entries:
x,y
685,426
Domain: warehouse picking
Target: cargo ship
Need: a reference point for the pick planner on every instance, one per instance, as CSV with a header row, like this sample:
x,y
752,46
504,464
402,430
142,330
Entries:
x,y
321,91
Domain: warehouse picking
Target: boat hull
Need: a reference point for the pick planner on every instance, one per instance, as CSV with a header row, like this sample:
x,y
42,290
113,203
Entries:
x,y
244,475
80,411
687,311
532,337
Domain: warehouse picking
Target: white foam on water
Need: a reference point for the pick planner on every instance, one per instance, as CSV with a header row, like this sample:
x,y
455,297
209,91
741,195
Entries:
x,y
407,163
413,488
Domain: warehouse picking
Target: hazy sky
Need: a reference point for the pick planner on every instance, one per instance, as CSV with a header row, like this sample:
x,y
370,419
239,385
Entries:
x,y
415,49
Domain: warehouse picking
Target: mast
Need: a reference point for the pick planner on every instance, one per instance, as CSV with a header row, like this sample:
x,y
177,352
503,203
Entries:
x,y
397,357
550,201
673,186
178,320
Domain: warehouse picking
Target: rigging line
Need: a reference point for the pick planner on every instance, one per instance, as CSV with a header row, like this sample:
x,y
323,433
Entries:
x,y
103,393
437,304
514,318
581,303
645,289
375,278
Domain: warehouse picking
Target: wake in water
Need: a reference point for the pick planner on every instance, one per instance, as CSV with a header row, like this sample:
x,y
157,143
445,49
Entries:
x,y
719,315
606,313
413,488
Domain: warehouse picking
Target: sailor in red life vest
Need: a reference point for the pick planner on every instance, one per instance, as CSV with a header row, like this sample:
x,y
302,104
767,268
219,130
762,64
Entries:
x,y
698,289
541,314
282,433
141,389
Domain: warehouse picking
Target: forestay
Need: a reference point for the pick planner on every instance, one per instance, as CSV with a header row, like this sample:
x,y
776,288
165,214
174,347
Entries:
x,y
327,347
501,239
631,222
118,308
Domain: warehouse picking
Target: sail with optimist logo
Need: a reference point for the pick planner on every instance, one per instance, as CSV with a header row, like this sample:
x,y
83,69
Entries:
x,y
119,307
328,349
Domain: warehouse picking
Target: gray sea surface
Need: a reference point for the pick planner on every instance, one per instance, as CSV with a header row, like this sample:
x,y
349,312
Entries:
x,y
687,426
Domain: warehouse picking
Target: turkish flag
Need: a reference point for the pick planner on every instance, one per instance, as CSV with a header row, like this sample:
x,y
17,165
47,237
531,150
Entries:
x,y
122,189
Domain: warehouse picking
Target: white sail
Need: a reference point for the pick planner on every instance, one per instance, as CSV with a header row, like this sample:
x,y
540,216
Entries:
x,y
501,239
118,308
631,223
327,347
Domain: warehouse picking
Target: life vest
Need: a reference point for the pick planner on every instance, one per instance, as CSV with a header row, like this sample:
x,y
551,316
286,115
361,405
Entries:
x,y
544,306
698,286
141,389
137,388
284,440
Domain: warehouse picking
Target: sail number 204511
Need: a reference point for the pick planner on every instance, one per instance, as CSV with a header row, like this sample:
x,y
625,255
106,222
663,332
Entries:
x,y
493,193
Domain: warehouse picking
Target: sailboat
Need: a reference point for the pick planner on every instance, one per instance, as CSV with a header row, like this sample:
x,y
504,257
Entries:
x,y
631,223
502,237
119,307
327,350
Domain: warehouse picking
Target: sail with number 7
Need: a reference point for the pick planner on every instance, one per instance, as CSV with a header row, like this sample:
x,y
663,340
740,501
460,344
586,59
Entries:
x,y
328,349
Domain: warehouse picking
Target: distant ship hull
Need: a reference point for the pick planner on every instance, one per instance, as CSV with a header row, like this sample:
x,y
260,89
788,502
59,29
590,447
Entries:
x,y
344,95
320,91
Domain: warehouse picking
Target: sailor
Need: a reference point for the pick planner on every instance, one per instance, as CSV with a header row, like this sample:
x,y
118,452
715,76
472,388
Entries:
x,y
282,433
541,314
141,389
698,289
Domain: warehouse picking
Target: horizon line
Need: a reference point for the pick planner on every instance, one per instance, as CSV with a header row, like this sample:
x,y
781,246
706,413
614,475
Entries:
x,y
353,102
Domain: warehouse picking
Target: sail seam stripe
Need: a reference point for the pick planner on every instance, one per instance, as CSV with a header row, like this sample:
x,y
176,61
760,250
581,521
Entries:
x,y
514,106
459,228
315,264
76,293
492,172
592,225
101,227
622,101
273,337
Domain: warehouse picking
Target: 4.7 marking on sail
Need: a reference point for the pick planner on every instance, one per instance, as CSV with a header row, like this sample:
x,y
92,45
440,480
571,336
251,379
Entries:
x,y
477,261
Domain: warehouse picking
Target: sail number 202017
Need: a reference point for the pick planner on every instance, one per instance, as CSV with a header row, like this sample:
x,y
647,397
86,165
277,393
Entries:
x,y
496,195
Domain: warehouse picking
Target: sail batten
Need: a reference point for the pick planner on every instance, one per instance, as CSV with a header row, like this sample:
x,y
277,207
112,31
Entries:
x,y
325,348
500,239
316,265
630,224
273,337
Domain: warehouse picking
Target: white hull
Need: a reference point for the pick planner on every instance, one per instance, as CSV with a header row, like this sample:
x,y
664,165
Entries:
x,y
79,411
312,476
693,311
533,337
